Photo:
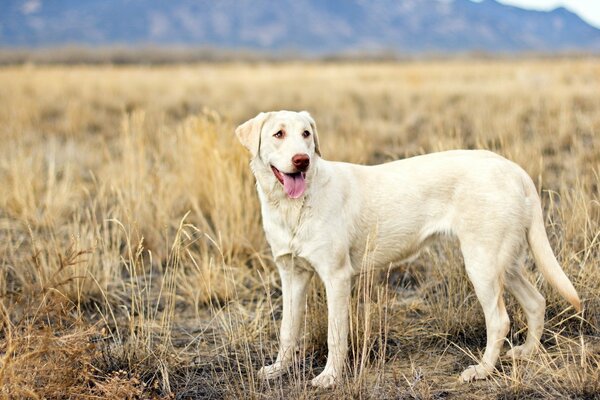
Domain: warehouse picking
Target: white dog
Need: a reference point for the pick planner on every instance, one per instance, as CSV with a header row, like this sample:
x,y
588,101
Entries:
x,y
319,215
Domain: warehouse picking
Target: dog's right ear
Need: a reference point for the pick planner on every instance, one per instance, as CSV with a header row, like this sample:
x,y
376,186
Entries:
x,y
248,133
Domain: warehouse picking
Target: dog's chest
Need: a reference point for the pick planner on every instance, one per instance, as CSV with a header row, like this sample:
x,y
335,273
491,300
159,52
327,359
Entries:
x,y
284,228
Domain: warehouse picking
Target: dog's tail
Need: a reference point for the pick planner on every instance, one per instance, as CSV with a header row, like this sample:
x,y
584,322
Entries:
x,y
544,257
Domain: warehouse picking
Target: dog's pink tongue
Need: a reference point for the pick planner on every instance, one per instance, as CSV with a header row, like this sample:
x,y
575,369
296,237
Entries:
x,y
294,185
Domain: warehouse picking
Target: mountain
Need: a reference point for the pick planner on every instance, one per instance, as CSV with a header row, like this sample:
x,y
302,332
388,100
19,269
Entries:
x,y
307,26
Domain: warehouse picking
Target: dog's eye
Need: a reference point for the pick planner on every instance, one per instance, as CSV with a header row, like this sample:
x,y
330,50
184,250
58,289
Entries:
x,y
306,134
278,135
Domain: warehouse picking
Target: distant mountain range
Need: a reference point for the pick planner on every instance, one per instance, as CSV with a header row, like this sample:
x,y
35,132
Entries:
x,y
310,27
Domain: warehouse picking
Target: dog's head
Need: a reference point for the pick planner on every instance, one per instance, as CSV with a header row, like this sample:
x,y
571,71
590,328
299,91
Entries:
x,y
285,142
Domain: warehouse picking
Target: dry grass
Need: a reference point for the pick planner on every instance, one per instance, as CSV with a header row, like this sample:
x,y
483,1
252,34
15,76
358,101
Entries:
x,y
133,263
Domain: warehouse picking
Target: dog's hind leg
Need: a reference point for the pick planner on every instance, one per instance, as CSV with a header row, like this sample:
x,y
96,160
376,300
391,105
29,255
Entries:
x,y
485,270
533,305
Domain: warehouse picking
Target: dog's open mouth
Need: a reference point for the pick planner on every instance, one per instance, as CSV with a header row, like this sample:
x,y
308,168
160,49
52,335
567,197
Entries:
x,y
293,184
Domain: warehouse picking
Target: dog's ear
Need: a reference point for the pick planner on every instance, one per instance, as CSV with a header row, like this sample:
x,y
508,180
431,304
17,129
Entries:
x,y
313,125
248,133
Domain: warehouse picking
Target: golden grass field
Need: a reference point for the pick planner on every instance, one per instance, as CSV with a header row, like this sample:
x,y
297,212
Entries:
x,y
133,263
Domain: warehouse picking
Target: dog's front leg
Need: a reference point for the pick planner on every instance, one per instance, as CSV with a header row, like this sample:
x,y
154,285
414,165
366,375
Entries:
x,y
337,287
294,282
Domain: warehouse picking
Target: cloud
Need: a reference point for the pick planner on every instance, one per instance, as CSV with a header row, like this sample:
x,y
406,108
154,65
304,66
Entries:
x,y
31,6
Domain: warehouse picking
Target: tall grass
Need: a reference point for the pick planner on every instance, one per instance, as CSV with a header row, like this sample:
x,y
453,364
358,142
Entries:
x,y
132,258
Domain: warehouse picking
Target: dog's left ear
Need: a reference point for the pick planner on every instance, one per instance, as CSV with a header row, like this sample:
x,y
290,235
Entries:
x,y
313,125
248,133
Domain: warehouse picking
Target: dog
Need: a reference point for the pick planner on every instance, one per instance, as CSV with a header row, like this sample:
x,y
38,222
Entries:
x,y
322,217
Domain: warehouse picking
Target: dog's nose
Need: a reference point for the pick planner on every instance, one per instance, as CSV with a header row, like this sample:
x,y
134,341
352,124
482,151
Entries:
x,y
301,162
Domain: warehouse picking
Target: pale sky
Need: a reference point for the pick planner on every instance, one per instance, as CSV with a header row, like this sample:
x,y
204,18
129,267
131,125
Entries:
x,y
588,10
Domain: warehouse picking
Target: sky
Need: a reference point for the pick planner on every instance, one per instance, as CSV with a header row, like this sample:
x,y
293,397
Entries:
x,y
588,10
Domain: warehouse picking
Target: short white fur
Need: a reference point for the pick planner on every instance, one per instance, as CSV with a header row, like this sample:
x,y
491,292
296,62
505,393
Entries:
x,y
488,202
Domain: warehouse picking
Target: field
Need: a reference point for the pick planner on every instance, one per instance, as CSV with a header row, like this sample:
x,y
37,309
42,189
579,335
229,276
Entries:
x,y
133,263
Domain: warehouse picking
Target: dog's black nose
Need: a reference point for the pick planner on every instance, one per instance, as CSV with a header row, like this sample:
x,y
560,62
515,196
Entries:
x,y
301,162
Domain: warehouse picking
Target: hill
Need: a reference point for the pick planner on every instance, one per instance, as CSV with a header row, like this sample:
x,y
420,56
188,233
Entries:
x,y
311,27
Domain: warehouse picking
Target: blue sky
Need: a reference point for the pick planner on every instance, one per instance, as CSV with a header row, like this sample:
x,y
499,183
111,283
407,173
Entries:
x,y
589,10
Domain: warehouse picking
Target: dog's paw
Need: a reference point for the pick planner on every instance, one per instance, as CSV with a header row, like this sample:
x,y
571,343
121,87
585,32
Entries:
x,y
474,372
520,352
324,380
272,371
